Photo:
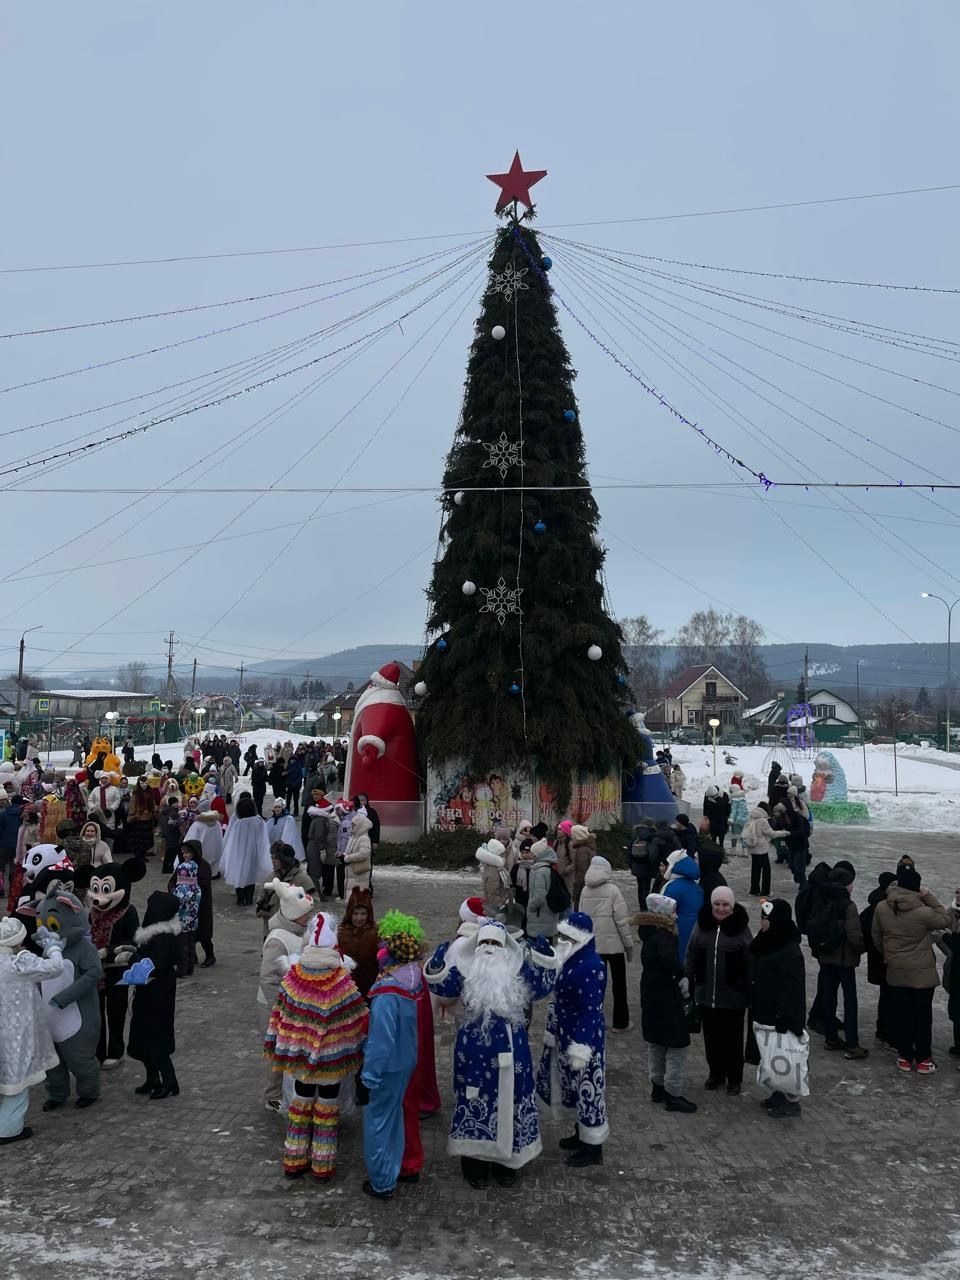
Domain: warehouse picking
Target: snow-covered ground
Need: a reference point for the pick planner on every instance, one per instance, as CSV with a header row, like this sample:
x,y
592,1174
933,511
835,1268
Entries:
x,y
929,794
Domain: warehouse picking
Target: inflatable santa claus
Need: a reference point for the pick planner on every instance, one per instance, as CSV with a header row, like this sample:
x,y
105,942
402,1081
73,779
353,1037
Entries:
x,y
382,763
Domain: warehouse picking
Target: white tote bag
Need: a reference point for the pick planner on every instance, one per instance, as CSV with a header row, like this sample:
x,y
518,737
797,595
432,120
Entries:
x,y
784,1060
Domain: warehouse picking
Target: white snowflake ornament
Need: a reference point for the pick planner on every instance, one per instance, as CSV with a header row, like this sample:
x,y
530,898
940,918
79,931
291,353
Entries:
x,y
509,281
504,454
501,600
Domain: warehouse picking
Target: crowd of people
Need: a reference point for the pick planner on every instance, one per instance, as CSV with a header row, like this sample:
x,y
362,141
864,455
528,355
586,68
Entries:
x,y
347,1005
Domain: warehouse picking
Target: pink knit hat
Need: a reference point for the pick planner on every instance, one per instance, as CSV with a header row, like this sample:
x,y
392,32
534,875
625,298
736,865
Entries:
x,y
565,827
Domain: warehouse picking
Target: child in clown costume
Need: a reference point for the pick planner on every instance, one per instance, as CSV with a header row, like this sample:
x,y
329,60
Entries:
x,y
316,1031
390,1054
572,1071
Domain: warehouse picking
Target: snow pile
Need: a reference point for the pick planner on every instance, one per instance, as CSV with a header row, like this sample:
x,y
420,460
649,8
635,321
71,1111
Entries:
x,y
929,798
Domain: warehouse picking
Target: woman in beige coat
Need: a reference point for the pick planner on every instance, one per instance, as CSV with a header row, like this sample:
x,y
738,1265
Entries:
x,y
603,902
903,928
357,854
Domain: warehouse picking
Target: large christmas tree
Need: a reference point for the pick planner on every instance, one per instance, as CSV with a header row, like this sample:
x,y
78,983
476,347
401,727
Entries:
x,y
525,667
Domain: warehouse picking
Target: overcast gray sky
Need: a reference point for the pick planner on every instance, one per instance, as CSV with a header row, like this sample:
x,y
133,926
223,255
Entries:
x,y
143,131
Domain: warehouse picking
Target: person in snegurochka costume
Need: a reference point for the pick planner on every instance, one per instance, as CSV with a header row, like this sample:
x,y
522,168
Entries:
x,y
316,1032
495,1126
27,1050
382,761
390,1059
187,892
206,830
572,1071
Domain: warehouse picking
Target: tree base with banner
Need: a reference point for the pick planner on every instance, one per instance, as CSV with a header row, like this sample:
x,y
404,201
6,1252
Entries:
x,y
459,799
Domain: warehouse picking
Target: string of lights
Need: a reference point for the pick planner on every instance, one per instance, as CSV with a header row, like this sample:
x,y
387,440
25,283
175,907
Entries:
x,y
233,302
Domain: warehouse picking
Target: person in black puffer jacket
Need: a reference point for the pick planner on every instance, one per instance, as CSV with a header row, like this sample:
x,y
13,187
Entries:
x,y
717,966
876,969
711,877
686,833
663,1023
778,986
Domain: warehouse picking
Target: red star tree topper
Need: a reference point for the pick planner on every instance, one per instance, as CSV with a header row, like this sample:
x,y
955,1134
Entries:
x,y
516,183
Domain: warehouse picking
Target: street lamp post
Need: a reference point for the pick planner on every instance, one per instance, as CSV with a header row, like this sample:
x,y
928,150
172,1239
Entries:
x,y
714,724
23,645
928,595
863,745
113,717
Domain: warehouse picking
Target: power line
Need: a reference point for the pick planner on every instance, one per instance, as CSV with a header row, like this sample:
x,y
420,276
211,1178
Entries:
x,y
452,235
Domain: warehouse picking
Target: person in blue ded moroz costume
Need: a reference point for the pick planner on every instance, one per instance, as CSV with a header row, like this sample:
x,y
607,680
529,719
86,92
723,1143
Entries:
x,y
391,1050
495,1128
572,1073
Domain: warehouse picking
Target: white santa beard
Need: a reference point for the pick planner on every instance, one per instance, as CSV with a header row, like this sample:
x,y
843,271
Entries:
x,y
494,989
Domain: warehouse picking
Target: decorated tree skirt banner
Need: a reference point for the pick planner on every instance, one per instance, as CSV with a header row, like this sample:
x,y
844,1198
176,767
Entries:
x,y
461,800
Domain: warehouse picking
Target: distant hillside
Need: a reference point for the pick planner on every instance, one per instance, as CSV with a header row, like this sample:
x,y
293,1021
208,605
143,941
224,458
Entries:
x,y
907,666
339,669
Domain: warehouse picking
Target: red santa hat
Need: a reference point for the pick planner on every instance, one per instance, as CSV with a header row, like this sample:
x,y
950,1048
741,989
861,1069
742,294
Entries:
x,y
387,677
471,910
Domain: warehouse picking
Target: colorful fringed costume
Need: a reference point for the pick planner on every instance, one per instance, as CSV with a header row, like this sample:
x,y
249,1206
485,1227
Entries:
x,y
316,1031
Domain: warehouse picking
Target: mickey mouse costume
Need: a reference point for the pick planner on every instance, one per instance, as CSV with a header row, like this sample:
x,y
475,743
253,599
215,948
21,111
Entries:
x,y
113,923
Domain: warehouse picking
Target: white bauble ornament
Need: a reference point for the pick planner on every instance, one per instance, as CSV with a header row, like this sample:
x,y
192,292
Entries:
x,y
459,497
597,541
469,588
420,689
498,333
594,653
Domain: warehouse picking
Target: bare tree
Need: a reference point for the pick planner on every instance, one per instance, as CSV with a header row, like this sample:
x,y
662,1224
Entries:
x,y
890,711
131,677
642,651
728,641
29,684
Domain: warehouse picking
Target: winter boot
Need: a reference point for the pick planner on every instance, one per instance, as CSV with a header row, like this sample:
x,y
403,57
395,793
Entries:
x,y
677,1103
587,1155
296,1146
783,1109
657,1092
168,1086
570,1144
323,1148
152,1082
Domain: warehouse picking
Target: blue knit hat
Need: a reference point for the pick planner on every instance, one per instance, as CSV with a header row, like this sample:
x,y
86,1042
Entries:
x,y
577,926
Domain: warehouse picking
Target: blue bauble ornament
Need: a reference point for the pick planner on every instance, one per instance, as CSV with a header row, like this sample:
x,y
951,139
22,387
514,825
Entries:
x,y
441,644
621,679
547,264
569,415
514,688
540,527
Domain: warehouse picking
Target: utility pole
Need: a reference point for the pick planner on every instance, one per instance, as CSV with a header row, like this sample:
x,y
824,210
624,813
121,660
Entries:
x,y
170,683
193,679
240,684
806,668
23,645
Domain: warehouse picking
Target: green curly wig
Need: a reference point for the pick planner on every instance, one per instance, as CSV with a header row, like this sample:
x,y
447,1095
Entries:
x,y
397,922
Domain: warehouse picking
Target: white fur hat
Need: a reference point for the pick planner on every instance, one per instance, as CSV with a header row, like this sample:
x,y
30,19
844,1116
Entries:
x,y
294,900
539,847
491,853
12,933
492,931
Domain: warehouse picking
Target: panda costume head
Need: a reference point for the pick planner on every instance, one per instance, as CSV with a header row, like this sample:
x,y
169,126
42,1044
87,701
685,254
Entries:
x,y
110,884
43,857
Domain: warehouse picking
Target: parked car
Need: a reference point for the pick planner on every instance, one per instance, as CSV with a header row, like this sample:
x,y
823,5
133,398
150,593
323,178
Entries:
x,y
737,740
687,737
